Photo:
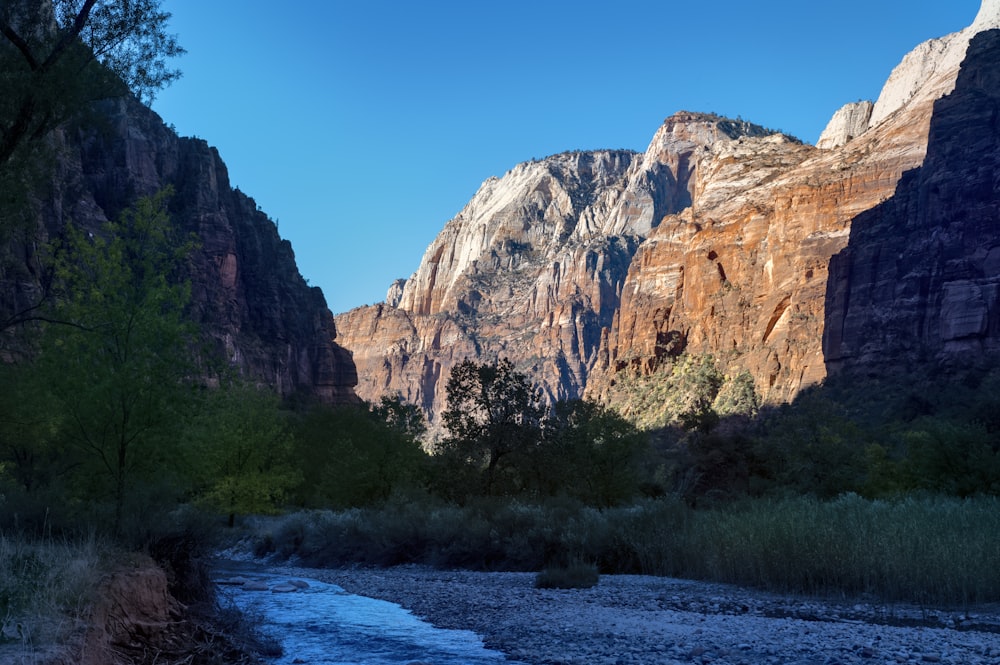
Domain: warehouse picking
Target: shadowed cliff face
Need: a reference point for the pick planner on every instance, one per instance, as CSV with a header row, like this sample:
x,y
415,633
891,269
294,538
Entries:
x,y
247,293
919,278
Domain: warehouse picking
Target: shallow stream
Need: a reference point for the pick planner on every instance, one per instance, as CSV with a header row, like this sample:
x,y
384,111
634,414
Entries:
x,y
321,624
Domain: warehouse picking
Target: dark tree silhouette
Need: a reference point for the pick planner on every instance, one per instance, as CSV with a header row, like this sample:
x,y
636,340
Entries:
x,y
493,419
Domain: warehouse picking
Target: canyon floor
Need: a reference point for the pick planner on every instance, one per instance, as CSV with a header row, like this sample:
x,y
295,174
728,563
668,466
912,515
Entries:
x,y
639,620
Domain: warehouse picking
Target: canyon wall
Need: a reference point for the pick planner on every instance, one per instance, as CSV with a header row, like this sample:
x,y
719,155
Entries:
x,y
919,278
532,268
247,294
720,239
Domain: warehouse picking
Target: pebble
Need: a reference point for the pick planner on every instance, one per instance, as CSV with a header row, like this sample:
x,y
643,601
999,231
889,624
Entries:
x,y
643,620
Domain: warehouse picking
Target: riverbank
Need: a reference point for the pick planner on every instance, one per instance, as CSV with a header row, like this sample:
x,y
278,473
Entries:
x,y
643,620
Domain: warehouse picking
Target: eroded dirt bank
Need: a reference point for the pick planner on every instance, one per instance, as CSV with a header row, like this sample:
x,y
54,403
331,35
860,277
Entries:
x,y
137,620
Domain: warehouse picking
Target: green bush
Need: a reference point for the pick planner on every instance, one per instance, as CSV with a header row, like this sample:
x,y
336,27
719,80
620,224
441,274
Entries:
x,y
349,456
919,549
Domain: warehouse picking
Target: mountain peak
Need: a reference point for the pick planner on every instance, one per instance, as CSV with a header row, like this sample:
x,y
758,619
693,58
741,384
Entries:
x,y
926,73
716,240
988,16
707,128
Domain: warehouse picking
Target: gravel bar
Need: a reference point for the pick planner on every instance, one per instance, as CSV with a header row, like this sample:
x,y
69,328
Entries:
x,y
640,620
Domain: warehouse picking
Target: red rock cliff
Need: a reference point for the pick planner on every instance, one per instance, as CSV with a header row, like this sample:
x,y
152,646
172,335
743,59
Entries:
x,y
718,240
532,268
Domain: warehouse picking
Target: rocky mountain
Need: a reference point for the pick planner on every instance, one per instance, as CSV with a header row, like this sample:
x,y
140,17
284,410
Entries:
x,y
532,268
919,278
722,238
746,277
247,292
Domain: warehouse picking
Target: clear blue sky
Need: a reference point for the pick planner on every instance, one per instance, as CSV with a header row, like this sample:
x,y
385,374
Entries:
x,y
362,127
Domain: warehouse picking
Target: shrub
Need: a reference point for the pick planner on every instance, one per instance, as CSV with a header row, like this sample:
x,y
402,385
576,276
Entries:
x,y
920,549
577,575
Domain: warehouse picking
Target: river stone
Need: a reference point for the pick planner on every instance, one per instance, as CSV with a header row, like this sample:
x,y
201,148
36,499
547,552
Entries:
x,y
234,581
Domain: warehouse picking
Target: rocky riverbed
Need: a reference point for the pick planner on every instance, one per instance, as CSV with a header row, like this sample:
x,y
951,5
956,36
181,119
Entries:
x,y
640,620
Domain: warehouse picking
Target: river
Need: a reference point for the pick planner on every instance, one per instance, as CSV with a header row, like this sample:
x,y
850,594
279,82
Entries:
x,y
321,624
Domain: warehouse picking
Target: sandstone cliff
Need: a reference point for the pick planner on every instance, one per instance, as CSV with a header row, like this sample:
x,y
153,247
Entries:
x,y
717,240
919,278
247,292
532,268
745,278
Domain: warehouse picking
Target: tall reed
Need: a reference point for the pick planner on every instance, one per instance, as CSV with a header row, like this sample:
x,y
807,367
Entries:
x,y
925,549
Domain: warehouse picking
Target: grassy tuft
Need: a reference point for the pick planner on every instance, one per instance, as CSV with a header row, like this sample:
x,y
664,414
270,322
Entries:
x,y
577,575
46,586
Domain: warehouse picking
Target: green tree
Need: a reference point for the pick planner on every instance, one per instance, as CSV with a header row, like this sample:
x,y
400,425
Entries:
x,y
494,421
810,447
956,458
694,384
353,457
737,396
242,448
401,417
58,57
28,422
590,453
119,363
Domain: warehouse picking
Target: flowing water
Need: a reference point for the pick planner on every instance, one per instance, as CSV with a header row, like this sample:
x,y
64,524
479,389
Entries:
x,y
322,624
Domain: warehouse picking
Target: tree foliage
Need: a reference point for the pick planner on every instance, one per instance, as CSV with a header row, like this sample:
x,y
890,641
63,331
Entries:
x,y
58,55
494,421
30,455
590,453
241,450
351,456
119,360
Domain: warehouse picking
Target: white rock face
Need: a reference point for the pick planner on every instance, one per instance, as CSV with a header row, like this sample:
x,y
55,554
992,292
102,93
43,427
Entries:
x,y
532,268
930,68
988,16
395,293
927,72
850,121
543,216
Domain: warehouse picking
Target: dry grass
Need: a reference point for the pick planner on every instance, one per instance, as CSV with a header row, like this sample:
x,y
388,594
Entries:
x,y
46,588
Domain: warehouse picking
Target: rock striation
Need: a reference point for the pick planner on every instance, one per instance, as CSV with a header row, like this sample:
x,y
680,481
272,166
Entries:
x,y
746,277
532,268
722,238
247,293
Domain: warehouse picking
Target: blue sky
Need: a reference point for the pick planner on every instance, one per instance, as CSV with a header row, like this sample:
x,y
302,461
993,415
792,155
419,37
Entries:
x,y
362,127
